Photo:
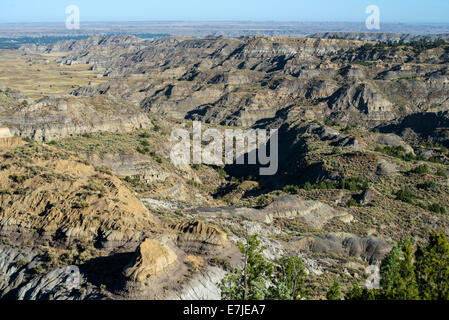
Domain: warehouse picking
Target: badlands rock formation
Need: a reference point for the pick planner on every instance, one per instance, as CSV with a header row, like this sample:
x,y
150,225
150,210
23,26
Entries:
x,y
370,248
5,133
314,213
56,118
62,197
152,257
200,232
241,81
355,120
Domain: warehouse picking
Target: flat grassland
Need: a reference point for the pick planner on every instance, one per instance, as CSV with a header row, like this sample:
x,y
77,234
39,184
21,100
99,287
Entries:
x,y
39,75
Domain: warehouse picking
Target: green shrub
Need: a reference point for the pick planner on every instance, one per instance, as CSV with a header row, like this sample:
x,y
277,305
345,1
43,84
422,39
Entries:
x,y
336,151
421,169
405,195
323,186
441,173
135,181
156,157
144,143
194,183
5,166
437,208
348,128
18,179
96,187
221,173
260,279
354,184
334,292
237,181
104,170
399,152
156,126
352,203
262,201
436,160
331,123
145,135
143,150
428,185
81,205
407,273
291,189
37,270
307,186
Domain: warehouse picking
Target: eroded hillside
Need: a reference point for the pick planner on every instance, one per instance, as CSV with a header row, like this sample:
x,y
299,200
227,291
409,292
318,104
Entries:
x,y
88,182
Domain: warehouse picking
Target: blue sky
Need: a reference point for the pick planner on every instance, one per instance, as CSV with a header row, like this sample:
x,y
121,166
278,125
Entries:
x,y
406,11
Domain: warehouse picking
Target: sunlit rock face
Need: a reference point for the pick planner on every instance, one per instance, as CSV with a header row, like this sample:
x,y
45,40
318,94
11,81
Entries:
x,y
5,133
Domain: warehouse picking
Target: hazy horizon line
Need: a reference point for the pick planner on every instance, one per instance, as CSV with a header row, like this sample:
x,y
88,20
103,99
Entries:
x,y
226,21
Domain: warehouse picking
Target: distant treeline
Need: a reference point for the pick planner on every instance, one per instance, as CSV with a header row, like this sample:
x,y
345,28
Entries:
x,y
16,43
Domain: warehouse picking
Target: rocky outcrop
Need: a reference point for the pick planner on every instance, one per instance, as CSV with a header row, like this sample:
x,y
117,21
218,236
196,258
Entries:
x,y
10,143
152,257
61,117
370,248
19,281
130,165
385,168
364,99
205,286
323,132
49,196
5,133
421,128
313,213
393,140
378,36
66,199
58,285
201,232
100,51
368,196
229,212
14,267
242,81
